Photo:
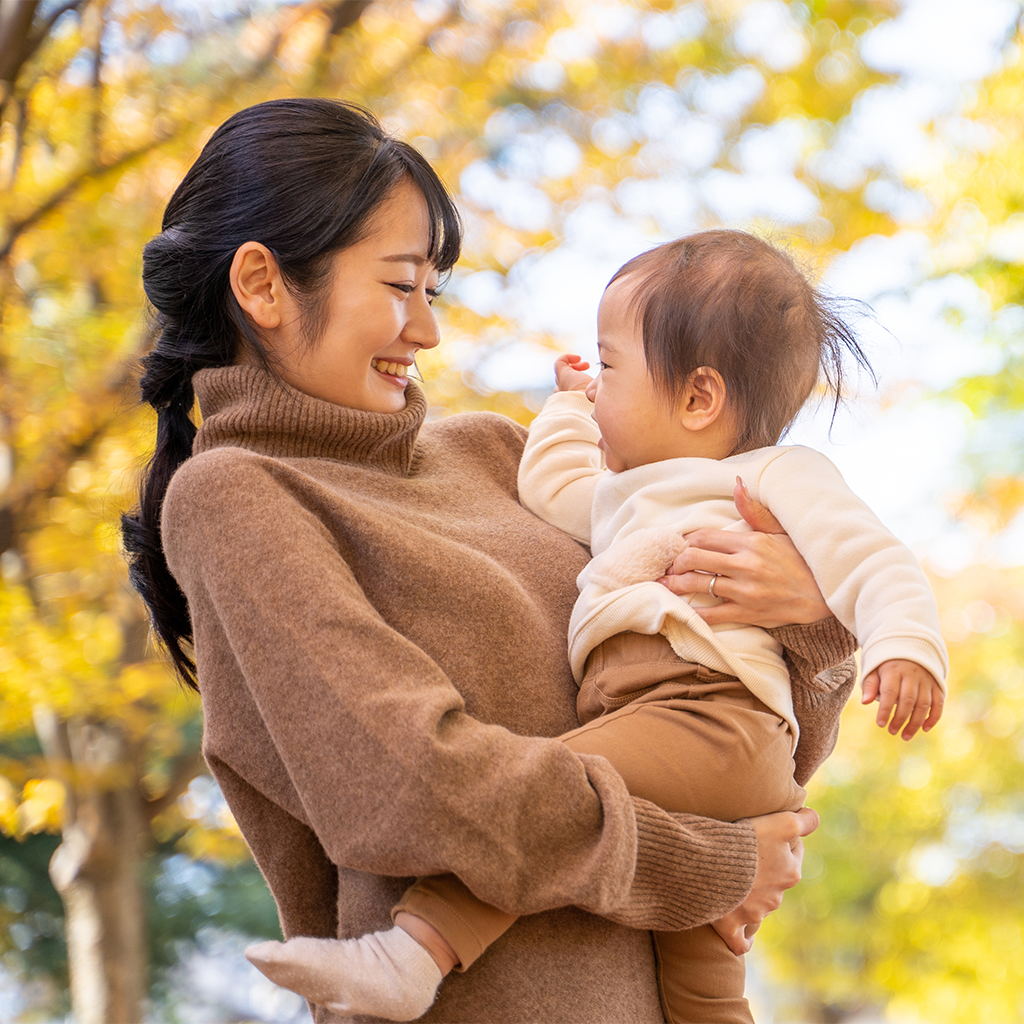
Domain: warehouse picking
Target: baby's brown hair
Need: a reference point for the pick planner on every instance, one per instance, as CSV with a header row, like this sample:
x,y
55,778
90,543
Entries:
x,y
730,301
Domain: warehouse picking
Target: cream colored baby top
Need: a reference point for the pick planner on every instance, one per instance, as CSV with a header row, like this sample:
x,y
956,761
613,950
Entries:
x,y
635,523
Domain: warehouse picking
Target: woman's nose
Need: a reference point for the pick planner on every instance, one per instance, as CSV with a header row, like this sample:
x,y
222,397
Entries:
x,y
421,327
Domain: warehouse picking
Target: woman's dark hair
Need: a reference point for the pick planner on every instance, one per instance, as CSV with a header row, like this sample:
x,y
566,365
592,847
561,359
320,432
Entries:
x,y
733,302
302,177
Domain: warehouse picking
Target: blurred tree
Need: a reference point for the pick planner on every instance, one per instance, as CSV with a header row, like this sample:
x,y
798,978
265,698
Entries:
x,y
983,236
643,118
910,893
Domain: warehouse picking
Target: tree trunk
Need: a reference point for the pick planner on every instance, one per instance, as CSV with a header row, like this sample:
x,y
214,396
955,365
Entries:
x,y
96,869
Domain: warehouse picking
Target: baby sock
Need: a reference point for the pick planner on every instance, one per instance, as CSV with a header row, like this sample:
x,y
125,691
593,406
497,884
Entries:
x,y
386,974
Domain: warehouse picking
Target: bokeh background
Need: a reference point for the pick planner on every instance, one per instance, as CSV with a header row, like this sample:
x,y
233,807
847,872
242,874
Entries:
x,y
879,140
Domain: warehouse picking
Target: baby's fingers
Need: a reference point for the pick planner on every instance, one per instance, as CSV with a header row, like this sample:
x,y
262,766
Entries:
x,y
887,697
917,719
906,703
938,700
869,688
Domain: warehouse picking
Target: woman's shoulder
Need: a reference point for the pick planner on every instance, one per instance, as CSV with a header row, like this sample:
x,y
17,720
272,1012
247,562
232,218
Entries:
x,y
214,465
488,433
217,480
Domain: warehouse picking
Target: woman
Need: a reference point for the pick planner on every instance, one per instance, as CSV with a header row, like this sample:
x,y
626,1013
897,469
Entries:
x,y
378,626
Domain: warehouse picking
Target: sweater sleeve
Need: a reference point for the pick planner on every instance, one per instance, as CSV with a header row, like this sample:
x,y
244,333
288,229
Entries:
x,y
380,760
871,581
562,464
822,673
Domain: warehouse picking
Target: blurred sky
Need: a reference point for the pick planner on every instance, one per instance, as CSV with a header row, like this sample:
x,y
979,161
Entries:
x,y
898,446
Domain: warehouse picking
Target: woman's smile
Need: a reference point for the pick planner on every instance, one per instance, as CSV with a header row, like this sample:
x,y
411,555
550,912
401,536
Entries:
x,y
398,371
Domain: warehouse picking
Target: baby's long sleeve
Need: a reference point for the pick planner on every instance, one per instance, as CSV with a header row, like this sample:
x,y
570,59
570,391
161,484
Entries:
x,y
869,579
562,464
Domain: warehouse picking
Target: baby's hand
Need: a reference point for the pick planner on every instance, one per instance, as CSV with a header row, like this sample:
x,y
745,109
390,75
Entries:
x,y
906,691
569,375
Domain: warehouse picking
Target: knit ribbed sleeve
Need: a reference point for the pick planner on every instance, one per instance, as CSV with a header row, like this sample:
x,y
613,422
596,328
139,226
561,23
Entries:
x,y
822,672
689,870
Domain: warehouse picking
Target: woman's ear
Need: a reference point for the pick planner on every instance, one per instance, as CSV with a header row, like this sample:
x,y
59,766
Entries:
x,y
703,399
258,286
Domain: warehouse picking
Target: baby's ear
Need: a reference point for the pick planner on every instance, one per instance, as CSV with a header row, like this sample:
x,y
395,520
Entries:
x,y
704,398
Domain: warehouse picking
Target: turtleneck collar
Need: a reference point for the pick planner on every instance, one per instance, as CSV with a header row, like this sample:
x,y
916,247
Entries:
x,y
248,407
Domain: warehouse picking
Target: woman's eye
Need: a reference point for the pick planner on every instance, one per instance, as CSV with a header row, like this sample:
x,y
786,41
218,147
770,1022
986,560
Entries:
x,y
406,289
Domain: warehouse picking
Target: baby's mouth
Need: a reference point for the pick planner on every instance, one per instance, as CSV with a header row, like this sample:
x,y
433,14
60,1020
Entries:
x,y
395,369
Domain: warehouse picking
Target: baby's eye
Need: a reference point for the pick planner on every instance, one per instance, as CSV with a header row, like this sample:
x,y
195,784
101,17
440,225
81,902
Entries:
x,y
603,366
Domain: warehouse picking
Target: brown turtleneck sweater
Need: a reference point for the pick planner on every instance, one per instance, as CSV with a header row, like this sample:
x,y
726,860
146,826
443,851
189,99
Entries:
x,y
380,637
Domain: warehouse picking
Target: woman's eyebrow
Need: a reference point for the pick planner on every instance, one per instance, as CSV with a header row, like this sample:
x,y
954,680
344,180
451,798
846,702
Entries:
x,y
406,257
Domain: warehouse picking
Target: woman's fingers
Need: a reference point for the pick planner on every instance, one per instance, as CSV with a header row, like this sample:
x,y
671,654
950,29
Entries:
x,y
807,820
729,542
780,852
756,514
736,932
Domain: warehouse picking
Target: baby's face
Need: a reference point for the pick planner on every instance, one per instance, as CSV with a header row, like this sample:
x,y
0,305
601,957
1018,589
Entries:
x,y
639,425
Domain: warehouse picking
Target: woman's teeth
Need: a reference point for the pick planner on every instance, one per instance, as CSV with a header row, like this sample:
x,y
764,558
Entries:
x,y
395,369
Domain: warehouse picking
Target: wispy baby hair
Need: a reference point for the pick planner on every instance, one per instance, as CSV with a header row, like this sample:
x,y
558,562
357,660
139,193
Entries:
x,y
733,302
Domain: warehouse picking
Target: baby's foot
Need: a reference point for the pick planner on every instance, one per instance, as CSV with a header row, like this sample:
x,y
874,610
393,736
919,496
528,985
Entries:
x,y
386,974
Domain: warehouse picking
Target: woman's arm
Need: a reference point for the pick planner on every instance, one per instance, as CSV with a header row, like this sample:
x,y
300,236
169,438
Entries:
x,y
364,739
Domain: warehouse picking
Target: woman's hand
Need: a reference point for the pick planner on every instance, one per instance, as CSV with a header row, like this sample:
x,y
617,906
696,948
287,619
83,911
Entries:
x,y
761,577
780,851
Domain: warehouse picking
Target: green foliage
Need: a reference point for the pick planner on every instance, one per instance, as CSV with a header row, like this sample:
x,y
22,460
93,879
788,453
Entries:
x,y
187,895
31,913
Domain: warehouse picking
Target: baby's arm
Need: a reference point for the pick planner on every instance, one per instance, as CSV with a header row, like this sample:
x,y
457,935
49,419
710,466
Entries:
x,y
870,581
562,461
908,692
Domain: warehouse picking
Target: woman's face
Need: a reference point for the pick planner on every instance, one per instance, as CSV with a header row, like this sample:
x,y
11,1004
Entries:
x,y
377,317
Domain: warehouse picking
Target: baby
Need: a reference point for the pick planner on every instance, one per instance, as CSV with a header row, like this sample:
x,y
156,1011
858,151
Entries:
x,y
709,346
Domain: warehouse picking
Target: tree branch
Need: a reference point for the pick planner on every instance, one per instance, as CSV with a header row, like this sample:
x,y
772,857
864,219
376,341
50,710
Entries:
x,y
47,24
16,41
185,770
20,37
94,170
343,14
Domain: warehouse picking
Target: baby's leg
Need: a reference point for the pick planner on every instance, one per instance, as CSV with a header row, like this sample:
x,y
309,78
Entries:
x,y
389,973
468,925
711,749
699,978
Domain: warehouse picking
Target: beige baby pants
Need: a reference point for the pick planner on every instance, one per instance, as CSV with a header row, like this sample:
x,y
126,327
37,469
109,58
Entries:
x,y
688,739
